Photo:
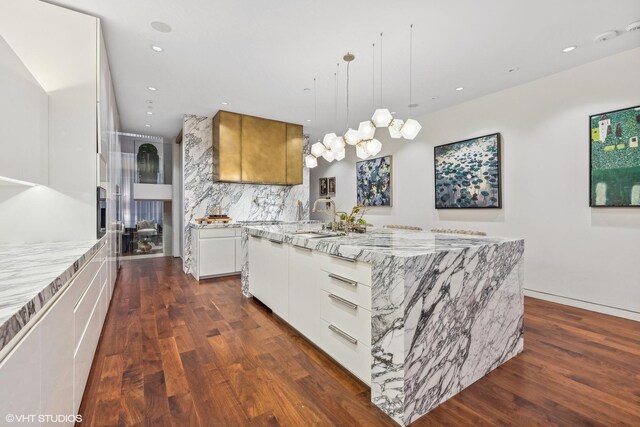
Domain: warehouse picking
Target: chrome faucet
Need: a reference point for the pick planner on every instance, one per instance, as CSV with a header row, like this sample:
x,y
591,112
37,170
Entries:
x,y
326,203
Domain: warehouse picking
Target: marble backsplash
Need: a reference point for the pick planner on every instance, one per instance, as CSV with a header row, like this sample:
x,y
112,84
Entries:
x,y
242,202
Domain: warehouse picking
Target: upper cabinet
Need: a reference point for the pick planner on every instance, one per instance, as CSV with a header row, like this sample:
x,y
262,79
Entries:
x,y
256,150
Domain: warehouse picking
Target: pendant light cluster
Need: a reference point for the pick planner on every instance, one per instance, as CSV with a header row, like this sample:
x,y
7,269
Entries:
x,y
332,147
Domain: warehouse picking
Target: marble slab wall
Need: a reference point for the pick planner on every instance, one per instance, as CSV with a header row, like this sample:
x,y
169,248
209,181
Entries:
x,y
242,202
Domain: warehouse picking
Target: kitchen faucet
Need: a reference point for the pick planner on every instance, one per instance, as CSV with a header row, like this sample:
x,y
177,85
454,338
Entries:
x,y
326,202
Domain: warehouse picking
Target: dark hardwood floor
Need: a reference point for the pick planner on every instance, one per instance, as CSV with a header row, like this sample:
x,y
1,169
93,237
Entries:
x,y
178,352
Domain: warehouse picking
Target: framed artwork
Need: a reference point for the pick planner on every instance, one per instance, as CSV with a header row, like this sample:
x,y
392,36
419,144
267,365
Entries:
x,y
373,181
614,166
467,173
331,186
323,187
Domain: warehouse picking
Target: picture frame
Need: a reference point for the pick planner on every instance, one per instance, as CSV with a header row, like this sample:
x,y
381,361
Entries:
x,y
614,158
467,173
374,182
331,186
323,185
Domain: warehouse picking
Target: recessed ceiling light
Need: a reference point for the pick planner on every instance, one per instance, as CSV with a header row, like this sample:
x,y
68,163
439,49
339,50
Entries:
x,y
156,48
393,112
152,89
308,120
307,88
605,36
569,48
512,69
161,26
433,98
412,105
224,103
149,112
459,88
634,26
148,126
149,101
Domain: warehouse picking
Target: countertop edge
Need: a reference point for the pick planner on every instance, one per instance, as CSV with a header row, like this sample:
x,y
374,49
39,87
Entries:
x,y
14,325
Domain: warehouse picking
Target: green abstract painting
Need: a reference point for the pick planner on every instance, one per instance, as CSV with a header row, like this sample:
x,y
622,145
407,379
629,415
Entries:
x,y
615,158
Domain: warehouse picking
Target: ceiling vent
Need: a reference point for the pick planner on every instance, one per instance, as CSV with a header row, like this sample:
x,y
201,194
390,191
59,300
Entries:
x,y
606,36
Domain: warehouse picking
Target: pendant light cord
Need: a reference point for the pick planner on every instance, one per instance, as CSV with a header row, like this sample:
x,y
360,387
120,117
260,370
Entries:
x,y
348,63
381,100
315,103
410,69
373,78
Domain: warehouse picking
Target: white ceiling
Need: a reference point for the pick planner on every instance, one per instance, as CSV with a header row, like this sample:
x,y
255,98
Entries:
x,y
259,55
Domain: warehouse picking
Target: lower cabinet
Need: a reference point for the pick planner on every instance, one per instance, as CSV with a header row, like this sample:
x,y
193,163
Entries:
x,y
20,378
215,252
47,369
327,299
304,292
268,279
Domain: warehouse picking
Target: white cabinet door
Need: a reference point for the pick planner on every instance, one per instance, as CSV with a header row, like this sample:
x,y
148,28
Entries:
x,y
20,376
217,256
269,275
258,286
304,295
57,357
238,254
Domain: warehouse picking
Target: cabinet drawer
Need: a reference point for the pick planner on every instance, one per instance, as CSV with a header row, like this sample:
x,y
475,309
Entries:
x,y
355,357
353,270
209,233
83,309
83,356
84,278
346,288
354,320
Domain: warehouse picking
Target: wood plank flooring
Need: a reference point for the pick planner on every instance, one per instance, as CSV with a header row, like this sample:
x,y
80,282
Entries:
x,y
175,352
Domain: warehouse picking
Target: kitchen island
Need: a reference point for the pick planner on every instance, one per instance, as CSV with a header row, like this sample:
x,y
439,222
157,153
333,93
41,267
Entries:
x,y
429,313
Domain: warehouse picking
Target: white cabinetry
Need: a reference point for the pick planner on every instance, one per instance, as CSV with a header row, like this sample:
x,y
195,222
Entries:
x,y
269,281
20,376
215,252
326,298
47,369
304,292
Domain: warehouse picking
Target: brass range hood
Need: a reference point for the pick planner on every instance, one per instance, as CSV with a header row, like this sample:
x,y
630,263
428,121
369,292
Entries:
x,y
248,149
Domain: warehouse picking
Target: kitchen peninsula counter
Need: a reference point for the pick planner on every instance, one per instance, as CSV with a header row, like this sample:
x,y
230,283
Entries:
x,y
445,309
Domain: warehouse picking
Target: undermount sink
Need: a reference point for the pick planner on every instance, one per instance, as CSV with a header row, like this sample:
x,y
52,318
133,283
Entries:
x,y
313,234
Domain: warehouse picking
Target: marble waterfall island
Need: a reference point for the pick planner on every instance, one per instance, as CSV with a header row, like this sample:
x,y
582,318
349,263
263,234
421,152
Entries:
x,y
445,310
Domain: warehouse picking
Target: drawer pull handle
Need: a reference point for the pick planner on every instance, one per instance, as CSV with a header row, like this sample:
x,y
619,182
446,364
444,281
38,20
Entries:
x,y
277,242
343,334
255,237
303,247
344,301
342,258
343,280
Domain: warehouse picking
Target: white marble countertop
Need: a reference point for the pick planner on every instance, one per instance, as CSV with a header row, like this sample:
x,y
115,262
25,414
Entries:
x,y
238,224
31,274
381,241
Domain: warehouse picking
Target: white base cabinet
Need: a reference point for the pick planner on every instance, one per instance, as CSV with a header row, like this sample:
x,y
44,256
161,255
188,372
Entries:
x,y
215,252
269,281
47,369
327,299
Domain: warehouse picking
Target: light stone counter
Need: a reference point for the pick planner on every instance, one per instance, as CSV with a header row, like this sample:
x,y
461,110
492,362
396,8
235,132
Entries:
x,y
31,274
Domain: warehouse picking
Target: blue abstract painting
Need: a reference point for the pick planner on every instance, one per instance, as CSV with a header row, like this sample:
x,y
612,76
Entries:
x,y
373,180
467,173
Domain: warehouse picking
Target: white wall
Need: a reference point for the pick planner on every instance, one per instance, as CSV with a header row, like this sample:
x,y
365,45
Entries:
x,y
579,255
24,111
60,49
